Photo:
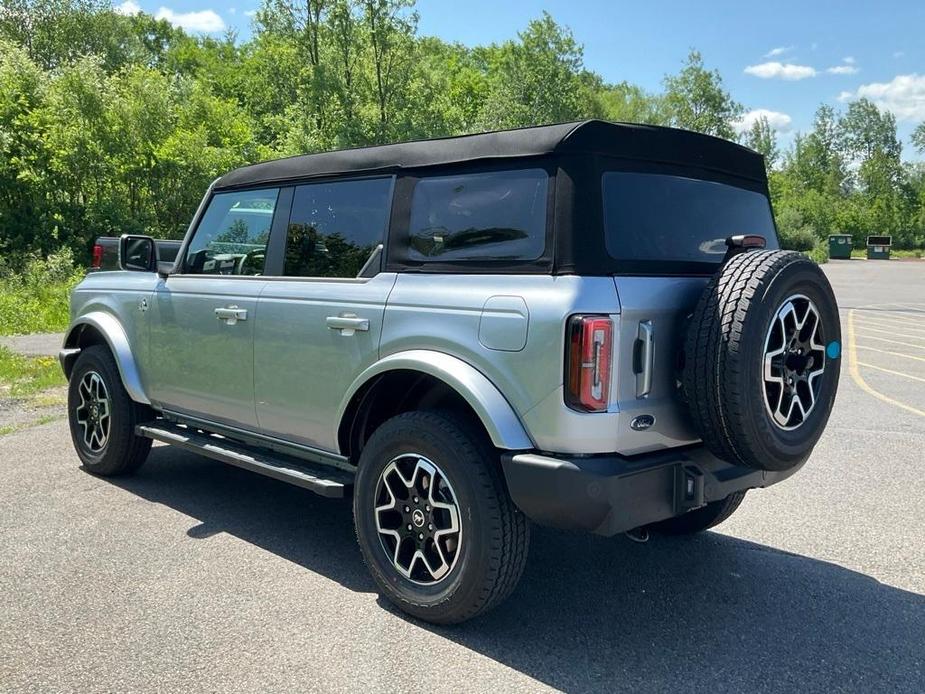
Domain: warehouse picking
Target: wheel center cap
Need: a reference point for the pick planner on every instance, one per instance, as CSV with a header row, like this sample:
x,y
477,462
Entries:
x,y
417,518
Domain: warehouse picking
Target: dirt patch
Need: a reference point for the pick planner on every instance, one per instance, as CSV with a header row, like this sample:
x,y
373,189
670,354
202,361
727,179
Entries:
x,y
22,413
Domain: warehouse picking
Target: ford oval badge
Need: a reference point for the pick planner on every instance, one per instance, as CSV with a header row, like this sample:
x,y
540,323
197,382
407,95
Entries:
x,y
642,422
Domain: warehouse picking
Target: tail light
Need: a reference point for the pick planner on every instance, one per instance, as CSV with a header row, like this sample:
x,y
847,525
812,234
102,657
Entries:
x,y
589,352
97,261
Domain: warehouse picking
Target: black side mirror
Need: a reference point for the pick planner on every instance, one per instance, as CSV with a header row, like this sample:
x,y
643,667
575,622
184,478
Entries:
x,y
137,253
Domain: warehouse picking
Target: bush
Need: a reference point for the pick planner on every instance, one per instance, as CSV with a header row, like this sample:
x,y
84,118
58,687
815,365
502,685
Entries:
x,y
819,252
802,239
35,300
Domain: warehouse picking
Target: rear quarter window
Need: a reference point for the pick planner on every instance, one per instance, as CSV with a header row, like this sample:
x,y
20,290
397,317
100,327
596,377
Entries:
x,y
497,215
656,222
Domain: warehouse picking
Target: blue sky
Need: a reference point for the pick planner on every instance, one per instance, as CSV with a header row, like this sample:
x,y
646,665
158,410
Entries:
x,y
783,58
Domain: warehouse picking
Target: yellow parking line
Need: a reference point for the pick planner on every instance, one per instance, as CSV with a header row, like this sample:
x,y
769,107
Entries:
x,y
891,321
892,342
890,371
892,329
859,380
886,351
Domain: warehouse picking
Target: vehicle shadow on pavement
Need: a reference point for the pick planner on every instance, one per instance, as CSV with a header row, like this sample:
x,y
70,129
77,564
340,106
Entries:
x,y
594,613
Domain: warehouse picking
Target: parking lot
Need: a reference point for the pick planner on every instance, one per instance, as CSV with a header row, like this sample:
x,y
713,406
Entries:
x,y
197,576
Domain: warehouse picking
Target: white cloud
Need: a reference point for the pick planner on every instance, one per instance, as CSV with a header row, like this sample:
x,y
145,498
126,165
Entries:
x,y
250,13
784,71
848,67
128,8
778,121
904,96
898,54
780,50
206,21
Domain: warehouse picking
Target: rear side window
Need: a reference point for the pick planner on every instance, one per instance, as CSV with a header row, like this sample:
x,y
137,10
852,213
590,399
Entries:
x,y
497,215
335,227
232,237
656,222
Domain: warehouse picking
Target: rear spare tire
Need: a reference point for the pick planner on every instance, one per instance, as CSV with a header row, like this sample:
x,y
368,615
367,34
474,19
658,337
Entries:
x,y
761,359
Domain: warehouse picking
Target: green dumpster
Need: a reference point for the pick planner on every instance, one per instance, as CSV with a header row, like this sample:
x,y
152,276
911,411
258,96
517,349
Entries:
x,y
878,247
840,246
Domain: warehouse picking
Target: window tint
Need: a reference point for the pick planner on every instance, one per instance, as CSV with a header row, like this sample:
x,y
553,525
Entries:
x,y
334,227
499,215
671,219
232,237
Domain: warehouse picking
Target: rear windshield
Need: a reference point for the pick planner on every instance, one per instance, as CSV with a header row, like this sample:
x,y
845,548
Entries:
x,y
661,223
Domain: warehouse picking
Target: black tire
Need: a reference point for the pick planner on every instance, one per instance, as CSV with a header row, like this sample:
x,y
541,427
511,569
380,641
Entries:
x,y
494,539
724,360
700,519
123,452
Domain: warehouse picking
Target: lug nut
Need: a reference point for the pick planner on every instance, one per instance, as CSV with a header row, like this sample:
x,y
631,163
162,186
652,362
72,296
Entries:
x,y
409,526
430,526
415,499
420,536
407,509
426,507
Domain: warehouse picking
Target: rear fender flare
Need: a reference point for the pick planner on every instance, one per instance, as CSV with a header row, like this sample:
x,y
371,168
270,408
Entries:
x,y
493,410
109,327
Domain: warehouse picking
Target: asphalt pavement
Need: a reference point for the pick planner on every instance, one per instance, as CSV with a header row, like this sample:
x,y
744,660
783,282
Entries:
x,y
195,576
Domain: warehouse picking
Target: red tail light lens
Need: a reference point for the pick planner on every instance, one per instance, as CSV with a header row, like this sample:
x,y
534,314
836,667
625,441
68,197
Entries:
x,y
589,347
97,261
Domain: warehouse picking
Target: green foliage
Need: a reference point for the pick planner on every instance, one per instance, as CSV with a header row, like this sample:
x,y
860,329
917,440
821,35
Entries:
x,y
695,99
762,138
819,253
36,299
24,376
918,137
112,124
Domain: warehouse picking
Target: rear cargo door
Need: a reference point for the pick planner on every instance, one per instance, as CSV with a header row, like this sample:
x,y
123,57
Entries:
x,y
666,234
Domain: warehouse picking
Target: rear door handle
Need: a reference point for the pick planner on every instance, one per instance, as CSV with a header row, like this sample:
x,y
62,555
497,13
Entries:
x,y
644,358
348,323
231,314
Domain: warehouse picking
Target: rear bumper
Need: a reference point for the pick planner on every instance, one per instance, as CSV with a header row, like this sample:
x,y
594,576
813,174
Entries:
x,y
611,494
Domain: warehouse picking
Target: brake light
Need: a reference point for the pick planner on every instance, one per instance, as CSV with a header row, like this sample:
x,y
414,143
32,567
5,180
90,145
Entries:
x,y
589,346
97,261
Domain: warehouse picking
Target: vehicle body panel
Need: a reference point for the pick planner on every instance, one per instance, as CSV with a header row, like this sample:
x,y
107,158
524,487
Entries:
x,y
302,366
199,364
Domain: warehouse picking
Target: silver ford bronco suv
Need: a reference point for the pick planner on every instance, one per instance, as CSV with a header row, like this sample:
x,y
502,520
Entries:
x,y
586,325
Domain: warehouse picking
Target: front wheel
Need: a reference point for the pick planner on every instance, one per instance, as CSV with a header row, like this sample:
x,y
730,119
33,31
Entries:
x,y
436,526
102,416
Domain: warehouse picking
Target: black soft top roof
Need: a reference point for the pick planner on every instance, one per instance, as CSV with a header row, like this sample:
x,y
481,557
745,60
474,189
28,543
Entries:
x,y
595,137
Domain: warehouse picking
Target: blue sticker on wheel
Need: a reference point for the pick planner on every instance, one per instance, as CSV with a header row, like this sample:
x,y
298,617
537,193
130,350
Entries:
x,y
833,350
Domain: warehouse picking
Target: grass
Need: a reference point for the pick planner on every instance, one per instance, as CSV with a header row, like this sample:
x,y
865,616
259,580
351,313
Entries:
x,y
34,299
29,377
894,253
44,419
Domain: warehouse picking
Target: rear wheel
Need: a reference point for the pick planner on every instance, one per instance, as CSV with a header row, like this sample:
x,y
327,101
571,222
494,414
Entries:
x,y
700,519
102,416
434,521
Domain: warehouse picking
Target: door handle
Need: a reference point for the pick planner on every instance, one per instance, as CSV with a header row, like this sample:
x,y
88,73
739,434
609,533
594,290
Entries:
x,y
644,358
348,323
231,314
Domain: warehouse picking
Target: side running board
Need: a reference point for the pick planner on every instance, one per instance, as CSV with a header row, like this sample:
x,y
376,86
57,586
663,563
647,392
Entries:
x,y
329,482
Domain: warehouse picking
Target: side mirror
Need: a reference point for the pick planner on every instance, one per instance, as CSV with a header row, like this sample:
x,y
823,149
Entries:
x,y
137,253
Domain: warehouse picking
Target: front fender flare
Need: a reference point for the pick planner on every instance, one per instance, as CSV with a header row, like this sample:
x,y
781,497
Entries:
x,y
111,329
496,414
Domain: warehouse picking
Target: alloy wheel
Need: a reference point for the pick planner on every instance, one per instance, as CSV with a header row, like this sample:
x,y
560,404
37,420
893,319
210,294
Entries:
x,y
794,361
93,411
418,519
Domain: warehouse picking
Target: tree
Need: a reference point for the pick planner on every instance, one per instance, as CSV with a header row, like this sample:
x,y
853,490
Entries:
x,y
918,137
537,79
762,138
695,99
